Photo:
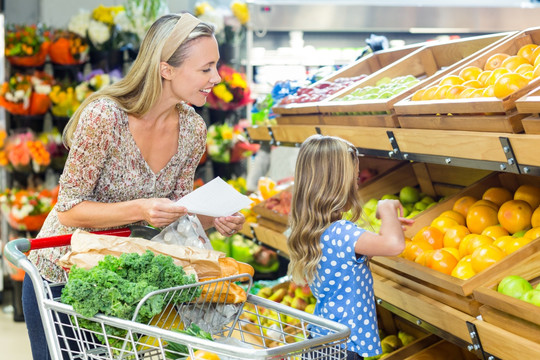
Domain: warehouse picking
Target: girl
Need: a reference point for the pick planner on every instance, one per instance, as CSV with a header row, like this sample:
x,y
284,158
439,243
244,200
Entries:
x,y
331,254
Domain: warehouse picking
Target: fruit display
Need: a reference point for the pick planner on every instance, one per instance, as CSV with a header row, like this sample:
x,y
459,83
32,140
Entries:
x,y
383,89
391,343
477,233
501,75
520,288
320,90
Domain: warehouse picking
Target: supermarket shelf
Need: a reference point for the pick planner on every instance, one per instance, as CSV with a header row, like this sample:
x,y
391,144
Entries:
x,y
482,150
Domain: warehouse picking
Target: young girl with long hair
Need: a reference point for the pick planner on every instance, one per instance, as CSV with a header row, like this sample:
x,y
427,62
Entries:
x,y
331,254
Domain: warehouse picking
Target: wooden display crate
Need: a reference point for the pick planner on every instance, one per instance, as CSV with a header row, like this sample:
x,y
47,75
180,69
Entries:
x,y
442,350
530,104
365,65
476,114
511,314
427,63
447,289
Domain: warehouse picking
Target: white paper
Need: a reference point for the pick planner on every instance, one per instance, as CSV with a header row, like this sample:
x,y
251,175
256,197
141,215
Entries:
x,y
215,198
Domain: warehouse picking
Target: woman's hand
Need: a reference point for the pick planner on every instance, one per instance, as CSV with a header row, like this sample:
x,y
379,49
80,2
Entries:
x,y
161,212
229,225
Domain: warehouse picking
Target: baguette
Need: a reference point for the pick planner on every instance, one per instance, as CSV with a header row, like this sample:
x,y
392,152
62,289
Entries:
x,y
231,267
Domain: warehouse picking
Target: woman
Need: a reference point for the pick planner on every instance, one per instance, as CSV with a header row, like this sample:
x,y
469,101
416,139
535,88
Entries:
x,y
134,148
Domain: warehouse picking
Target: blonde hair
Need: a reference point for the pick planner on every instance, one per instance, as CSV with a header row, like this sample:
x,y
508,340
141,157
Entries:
x,y
325,185
141,88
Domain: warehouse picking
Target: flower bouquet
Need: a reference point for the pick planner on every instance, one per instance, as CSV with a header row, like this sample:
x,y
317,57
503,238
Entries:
x,y
27,209
63,100
27,45
230,23
94,81
231,93
52,142
26,94
226,144
23,153
68,48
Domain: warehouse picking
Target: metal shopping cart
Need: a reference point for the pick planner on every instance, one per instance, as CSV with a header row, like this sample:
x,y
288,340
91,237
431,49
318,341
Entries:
x,y
255,329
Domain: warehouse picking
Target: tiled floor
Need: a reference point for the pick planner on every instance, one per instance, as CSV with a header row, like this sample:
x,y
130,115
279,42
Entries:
x,y
13,336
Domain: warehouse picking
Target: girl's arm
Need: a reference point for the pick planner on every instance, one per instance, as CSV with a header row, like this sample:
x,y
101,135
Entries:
x,y
390,240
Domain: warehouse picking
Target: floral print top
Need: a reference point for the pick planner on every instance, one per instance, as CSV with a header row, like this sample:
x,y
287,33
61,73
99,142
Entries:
x,y
105,165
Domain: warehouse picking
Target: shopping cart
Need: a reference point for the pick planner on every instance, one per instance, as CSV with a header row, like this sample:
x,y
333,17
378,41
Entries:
x,y
255,329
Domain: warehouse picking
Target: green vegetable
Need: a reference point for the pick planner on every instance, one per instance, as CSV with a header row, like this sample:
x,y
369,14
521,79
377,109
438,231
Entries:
x,y
243,249
116,285
180,349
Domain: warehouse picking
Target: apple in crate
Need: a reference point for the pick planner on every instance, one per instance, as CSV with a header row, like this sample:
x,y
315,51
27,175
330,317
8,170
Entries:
x,y
515,286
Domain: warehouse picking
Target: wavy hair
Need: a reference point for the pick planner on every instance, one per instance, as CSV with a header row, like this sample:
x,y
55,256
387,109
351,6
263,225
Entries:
x,y
141,88
325,186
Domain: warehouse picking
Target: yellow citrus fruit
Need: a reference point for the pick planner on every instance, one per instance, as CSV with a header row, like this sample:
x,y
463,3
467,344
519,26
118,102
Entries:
x,y
453,251
477,241
454,235
429,93
443,223
509,244
480,217
416,248
495,61
495,74
431,235
509,83
473,84
441,92
451,80
464,245
524,68
463,204
486,203
417,96
489,91
515,215
513,62
463,269
533,233
529,193
485,256
452,214
495,231
527,51
470,73
534,55
454,91
442,261
498,195
535,218
484,76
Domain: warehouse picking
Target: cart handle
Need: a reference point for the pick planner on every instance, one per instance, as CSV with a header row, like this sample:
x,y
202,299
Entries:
x,y
15,249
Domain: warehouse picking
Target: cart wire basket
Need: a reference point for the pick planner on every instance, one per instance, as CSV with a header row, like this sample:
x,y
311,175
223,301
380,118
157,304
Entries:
x,y
194,319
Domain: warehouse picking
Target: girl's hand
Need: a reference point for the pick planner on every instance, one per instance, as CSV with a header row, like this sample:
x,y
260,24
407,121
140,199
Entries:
x,y
389,207
405,222
161,212
229,225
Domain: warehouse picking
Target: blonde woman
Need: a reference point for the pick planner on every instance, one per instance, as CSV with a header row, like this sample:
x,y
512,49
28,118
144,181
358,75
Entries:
x,y
331,254
134,148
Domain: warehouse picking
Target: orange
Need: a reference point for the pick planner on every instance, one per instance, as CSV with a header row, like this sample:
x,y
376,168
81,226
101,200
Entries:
x,y
528,75
441,261
418,95
495,74
509,244
454,235
534,55
498,195
515,215
533,233
484,76
467,93
489,91
443,223
506,84
486,203
451,80
476,242
464,244
429,93
495,61
524,68
463,204
536,72
535,218
452,214
453,251
536,60
527,51
529,193
480,217
422,258
454,91
513,62
470,73
431,235
266,187
408,244
441,92
484,256
476,93
416,248
473,84
495,231
463,269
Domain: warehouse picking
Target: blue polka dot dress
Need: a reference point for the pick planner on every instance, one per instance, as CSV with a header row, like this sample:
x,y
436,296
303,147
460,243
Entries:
x,y
344,289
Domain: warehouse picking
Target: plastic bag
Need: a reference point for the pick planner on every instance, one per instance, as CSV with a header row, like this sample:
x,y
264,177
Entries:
x,y
186,231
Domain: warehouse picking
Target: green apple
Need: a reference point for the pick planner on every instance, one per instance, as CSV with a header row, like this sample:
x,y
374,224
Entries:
x,y
371,205
514,286
384,80
420,206
427,199
409,194
413,214
532,297
389,197
537,286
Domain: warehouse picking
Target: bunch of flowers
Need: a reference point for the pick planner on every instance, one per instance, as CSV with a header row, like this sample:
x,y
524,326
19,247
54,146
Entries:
x,y
68,48
139,16
26,94
27,209
23,152
52,142
100,27
63,100
95,81
230,23
226,143
231,93
27,45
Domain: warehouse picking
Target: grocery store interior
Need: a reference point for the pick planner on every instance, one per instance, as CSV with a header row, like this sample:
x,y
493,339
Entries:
x,y
441,99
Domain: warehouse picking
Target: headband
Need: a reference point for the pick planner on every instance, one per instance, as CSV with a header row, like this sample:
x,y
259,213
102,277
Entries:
x,y
179,33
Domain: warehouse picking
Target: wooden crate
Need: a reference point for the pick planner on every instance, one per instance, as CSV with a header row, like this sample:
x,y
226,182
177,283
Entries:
x,y
365,65
427,63
443,350
445,288
477,114
511,314
530,104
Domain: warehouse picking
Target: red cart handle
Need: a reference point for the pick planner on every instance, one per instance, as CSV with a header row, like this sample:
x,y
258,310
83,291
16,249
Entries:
x,y
63,240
